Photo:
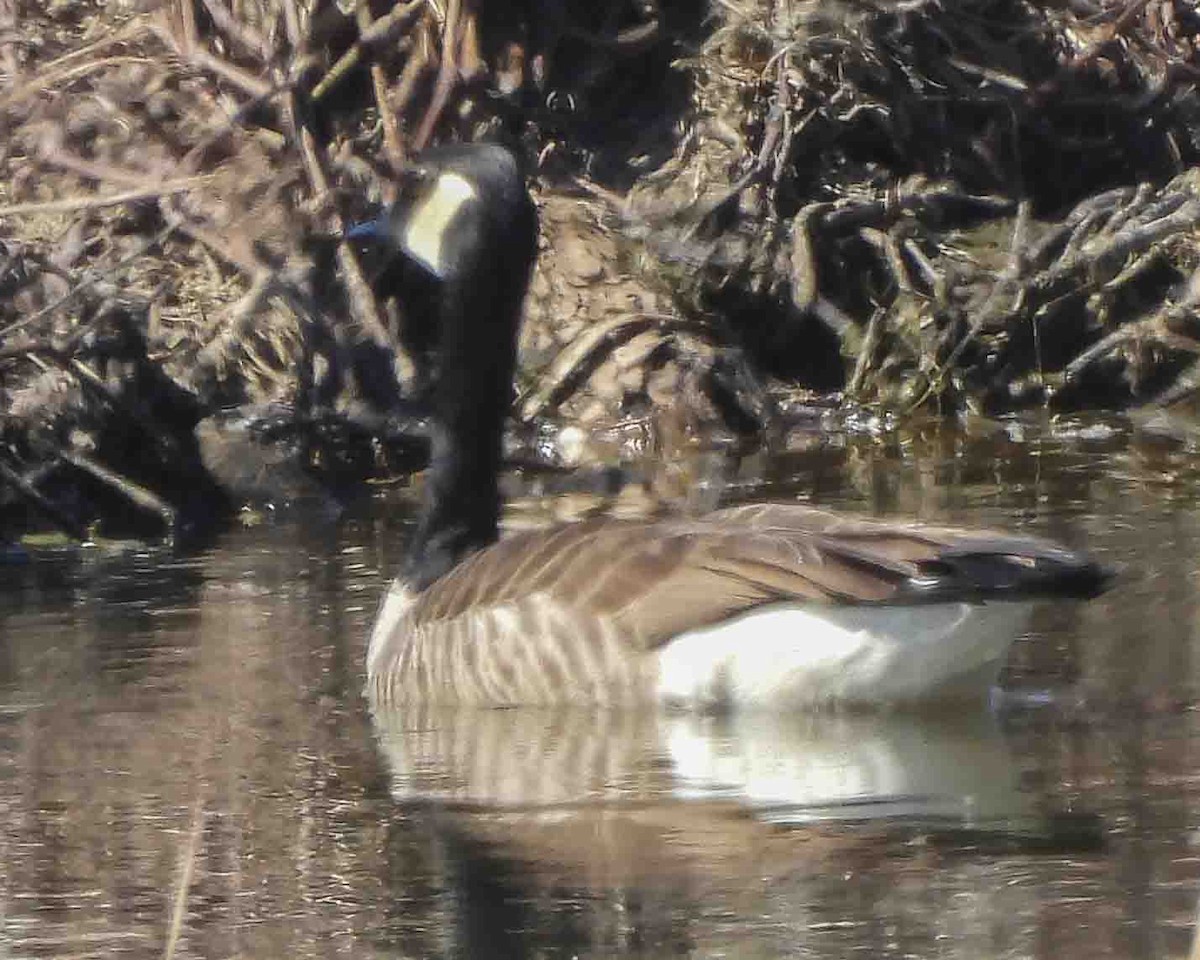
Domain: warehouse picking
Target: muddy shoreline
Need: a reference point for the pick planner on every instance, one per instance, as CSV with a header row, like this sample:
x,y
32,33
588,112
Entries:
x,y
880,209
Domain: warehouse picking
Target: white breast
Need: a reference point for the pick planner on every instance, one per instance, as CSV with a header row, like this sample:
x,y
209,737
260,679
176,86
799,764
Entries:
x,y
802,656
397,602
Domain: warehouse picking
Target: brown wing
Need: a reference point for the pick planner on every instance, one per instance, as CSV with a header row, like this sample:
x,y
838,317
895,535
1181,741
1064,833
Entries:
x,y
937,562
655,580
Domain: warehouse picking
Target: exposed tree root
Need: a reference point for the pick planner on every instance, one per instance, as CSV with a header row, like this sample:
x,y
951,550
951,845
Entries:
x,y
923,204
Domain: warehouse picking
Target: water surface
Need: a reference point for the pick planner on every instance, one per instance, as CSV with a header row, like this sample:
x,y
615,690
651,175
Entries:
x,y
189,769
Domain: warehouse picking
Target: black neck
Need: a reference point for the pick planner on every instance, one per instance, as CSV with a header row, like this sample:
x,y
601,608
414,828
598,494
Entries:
x,y
479,314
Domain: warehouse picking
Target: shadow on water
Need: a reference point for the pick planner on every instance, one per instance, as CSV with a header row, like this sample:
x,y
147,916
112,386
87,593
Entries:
x,y
202,718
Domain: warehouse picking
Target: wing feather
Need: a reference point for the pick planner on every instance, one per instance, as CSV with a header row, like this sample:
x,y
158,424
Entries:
x,y
652,581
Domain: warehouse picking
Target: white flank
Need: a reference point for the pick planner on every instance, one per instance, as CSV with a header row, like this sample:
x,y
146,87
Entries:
x,y
796,656
428,222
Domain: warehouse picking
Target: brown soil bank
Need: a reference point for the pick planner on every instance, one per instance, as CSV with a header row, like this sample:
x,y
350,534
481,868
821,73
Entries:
x,y
966,203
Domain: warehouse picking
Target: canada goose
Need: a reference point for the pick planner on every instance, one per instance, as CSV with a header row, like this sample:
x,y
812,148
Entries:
x,y
771,603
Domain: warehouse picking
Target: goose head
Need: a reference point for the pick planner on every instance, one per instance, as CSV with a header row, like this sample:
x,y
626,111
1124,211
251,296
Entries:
x,y
465,225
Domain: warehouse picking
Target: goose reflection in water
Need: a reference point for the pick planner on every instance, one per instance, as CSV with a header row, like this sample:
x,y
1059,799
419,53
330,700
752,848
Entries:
x,y
617,795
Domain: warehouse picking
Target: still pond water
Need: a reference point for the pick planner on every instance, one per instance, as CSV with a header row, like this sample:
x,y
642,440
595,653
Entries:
x,y
188,768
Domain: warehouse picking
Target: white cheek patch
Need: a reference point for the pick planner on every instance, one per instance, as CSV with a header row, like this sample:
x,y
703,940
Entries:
x,y
428,222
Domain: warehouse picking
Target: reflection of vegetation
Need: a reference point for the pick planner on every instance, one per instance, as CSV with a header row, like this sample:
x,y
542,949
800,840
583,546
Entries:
x,y
143,704
246,707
